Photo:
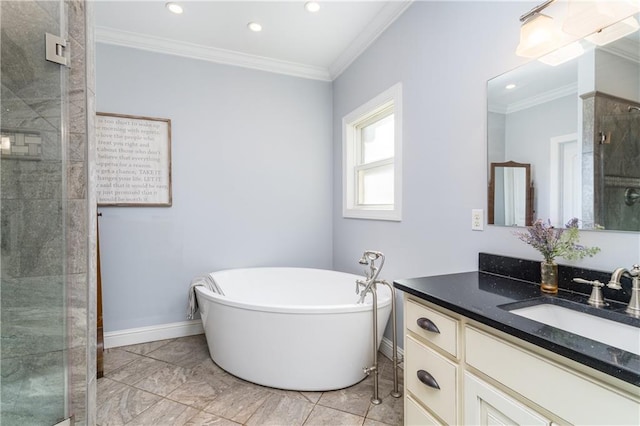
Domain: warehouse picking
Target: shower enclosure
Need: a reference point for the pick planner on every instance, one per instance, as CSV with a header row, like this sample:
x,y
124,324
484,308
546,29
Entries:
x,y
45,261
620,171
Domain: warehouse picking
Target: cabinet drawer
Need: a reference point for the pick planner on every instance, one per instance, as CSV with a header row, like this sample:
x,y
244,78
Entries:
x,y
415,415
547,384
420,360
419,319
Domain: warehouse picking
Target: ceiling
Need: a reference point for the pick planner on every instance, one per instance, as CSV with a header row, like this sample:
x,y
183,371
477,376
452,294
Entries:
x,y
293,41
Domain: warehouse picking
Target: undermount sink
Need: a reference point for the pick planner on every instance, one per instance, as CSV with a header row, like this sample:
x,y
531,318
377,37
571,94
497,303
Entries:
x,y
612,333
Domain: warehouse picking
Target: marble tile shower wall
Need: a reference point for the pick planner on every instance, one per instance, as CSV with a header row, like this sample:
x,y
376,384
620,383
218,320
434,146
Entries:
x,y
609,169
621,156
46,261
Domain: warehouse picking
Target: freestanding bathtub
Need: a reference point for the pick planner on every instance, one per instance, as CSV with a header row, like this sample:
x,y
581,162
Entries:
x,y
291,328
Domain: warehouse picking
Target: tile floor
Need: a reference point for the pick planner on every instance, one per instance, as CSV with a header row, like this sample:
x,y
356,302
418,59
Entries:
x,y
174,382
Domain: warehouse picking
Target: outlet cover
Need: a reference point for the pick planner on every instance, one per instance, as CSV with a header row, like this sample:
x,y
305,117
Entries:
x,y
477,219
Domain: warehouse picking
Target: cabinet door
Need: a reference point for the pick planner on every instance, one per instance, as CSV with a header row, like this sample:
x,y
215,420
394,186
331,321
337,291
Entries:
x,y
485,405
414,415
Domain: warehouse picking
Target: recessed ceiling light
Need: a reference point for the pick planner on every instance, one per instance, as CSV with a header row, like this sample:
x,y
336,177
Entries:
x,y
174,7
254,26
510,86
312,6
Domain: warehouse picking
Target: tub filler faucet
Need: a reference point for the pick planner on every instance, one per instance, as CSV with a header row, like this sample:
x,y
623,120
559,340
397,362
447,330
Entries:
x,y
369,285
369,258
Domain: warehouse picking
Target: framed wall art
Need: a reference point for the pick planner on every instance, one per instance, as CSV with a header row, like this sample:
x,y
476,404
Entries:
x,y
133,160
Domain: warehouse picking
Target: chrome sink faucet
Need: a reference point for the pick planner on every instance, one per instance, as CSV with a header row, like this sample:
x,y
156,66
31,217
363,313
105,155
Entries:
x,y
634,303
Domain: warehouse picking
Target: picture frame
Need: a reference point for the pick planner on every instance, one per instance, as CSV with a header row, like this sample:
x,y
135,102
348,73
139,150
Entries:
x,y
133,160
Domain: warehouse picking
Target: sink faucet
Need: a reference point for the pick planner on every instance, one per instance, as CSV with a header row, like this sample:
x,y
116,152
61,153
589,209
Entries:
x,y
634,303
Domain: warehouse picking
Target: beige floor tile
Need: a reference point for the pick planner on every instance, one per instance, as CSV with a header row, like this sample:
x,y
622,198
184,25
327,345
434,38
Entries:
x,y
179,350
280,410
390,411
145,348
370,422
313,397
355,399
165,380
206,419
136,370
116,358
198,393
106,388
207,366
164,413
238,402
123,406
324,416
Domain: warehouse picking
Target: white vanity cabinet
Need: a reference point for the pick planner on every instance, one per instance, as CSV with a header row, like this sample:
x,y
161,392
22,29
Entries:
x,y
477,375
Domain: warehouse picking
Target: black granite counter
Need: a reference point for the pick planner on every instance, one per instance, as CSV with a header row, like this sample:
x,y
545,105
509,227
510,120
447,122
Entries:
x,y
486,296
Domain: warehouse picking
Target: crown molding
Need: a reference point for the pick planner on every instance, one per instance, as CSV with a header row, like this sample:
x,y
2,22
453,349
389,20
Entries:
x,y
387,15
133,40
539,99
624,48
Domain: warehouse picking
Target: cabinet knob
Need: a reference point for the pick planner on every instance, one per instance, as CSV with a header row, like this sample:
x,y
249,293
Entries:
x,y
427,379
427,324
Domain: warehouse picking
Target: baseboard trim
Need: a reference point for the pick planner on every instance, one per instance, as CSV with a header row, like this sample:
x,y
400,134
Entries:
x,y
386,348
134,336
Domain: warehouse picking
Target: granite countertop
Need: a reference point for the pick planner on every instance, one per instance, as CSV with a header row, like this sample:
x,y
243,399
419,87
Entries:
x,y
481,296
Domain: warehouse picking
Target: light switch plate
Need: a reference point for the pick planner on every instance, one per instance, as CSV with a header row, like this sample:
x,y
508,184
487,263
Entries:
x,y
477,219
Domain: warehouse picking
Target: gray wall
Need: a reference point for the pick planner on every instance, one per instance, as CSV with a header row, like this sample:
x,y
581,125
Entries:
x,y
267,209
443,53
251,155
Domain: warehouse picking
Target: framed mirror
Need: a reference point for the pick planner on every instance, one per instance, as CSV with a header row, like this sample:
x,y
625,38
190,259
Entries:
x,y
510,194
577,125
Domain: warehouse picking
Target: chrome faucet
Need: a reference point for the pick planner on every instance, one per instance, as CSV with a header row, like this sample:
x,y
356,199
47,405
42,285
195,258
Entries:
x,y
369,285
369,258
634,302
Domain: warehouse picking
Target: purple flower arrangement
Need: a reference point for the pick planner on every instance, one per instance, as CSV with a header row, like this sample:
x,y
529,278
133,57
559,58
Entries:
x,y
556,242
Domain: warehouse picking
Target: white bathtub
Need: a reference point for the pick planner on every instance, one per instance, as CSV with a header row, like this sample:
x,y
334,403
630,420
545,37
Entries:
x,y
291,328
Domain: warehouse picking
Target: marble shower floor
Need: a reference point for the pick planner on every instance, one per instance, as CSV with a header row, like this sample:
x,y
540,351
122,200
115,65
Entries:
x,y
174,382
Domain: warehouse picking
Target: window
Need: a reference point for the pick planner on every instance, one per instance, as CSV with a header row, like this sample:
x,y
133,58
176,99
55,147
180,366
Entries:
x,y
372,158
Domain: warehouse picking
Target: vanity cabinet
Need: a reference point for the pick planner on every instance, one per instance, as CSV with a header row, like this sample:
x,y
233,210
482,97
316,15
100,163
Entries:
x,y
459,371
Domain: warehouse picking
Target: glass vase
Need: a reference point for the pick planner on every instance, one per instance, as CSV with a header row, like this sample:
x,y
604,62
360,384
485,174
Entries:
x,y
549,277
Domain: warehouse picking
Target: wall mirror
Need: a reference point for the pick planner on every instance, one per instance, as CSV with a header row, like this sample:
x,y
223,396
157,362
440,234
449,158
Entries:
x,y
577,125
510,194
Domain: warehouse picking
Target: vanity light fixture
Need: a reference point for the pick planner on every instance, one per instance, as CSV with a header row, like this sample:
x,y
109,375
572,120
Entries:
x,y
614,32
586,17
254,26
563,54
539,34
174,7
312,6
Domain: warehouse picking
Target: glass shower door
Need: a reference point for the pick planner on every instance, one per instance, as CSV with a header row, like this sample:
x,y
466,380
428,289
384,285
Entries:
x,y
33,365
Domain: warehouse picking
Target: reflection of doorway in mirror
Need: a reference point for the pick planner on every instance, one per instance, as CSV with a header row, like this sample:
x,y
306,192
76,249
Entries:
x,y
515,185
565,179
